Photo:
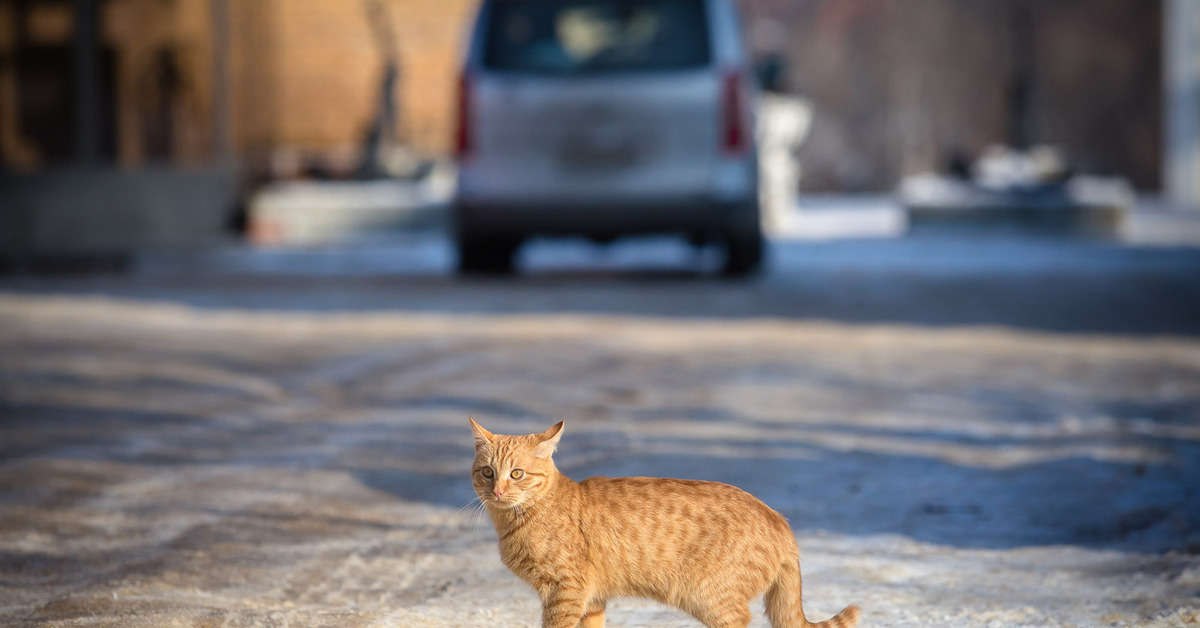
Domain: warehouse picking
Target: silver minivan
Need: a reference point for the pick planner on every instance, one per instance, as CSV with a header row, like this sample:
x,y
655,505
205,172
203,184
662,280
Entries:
x,y
606,118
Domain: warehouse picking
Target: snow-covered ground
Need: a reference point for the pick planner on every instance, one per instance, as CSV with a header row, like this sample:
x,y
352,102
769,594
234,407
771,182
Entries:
x,y
963,432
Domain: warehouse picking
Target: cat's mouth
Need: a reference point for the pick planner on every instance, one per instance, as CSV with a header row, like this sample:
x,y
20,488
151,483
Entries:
x,y
500,502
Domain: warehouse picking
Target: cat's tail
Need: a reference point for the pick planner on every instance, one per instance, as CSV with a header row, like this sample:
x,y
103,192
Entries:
x,y
786,610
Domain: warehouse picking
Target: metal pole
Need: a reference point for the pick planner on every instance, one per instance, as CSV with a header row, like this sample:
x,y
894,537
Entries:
x,y
1021,76
221,124
1181,84
87,129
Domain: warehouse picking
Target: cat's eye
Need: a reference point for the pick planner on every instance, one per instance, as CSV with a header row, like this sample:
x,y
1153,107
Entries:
x,y
487,472
516,474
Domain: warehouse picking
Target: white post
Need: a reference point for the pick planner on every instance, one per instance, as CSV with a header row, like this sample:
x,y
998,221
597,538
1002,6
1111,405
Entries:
x,y
1181,87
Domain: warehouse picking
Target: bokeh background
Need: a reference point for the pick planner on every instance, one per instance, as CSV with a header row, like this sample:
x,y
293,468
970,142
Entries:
x,y
236,362
215,98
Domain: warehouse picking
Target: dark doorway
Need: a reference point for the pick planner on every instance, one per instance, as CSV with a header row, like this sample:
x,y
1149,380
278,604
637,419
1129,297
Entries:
x,y
47,94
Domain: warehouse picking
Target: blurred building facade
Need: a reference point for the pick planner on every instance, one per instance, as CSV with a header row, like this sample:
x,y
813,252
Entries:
x,y
902,87
898,86
300,79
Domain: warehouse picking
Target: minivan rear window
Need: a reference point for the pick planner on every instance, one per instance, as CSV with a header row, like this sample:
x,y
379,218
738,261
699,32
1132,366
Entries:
x,y
594,36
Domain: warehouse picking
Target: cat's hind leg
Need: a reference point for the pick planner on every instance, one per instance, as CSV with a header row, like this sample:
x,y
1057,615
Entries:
x,y
593,617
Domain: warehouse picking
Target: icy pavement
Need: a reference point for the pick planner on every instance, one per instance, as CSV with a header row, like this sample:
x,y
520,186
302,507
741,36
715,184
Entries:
x,y
846,233
963,433
1031,283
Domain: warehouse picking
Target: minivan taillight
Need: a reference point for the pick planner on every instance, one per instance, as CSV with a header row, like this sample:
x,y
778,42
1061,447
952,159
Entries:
x,y
733,113
462,145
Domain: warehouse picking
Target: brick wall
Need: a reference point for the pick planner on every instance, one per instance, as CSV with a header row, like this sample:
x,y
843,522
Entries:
x,y
304,77
306,74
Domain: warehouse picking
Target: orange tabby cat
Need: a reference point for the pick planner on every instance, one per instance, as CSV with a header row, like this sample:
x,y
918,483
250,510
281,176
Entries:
x,y
704,547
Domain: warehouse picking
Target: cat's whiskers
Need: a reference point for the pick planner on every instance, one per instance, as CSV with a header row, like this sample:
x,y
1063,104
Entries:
x,y
472,518
469,504
477,516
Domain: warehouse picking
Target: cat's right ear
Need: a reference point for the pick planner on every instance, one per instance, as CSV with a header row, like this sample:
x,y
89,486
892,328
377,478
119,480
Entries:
x,y
483,438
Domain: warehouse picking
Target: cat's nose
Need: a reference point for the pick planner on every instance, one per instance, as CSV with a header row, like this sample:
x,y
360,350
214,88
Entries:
x,y
497,491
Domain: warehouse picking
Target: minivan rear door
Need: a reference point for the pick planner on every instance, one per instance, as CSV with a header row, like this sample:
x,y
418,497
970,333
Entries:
x,y
602,100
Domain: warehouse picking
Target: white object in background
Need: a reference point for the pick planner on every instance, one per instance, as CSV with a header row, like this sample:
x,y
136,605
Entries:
x,y
783,124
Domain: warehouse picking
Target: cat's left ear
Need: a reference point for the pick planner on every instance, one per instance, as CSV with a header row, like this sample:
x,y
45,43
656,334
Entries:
x,y
548,441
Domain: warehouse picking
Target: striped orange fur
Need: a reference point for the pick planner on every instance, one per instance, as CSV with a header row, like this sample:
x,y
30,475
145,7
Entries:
x,y
704,547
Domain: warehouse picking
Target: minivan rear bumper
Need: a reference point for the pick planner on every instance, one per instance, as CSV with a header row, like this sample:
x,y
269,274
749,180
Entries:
x,y
602,221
